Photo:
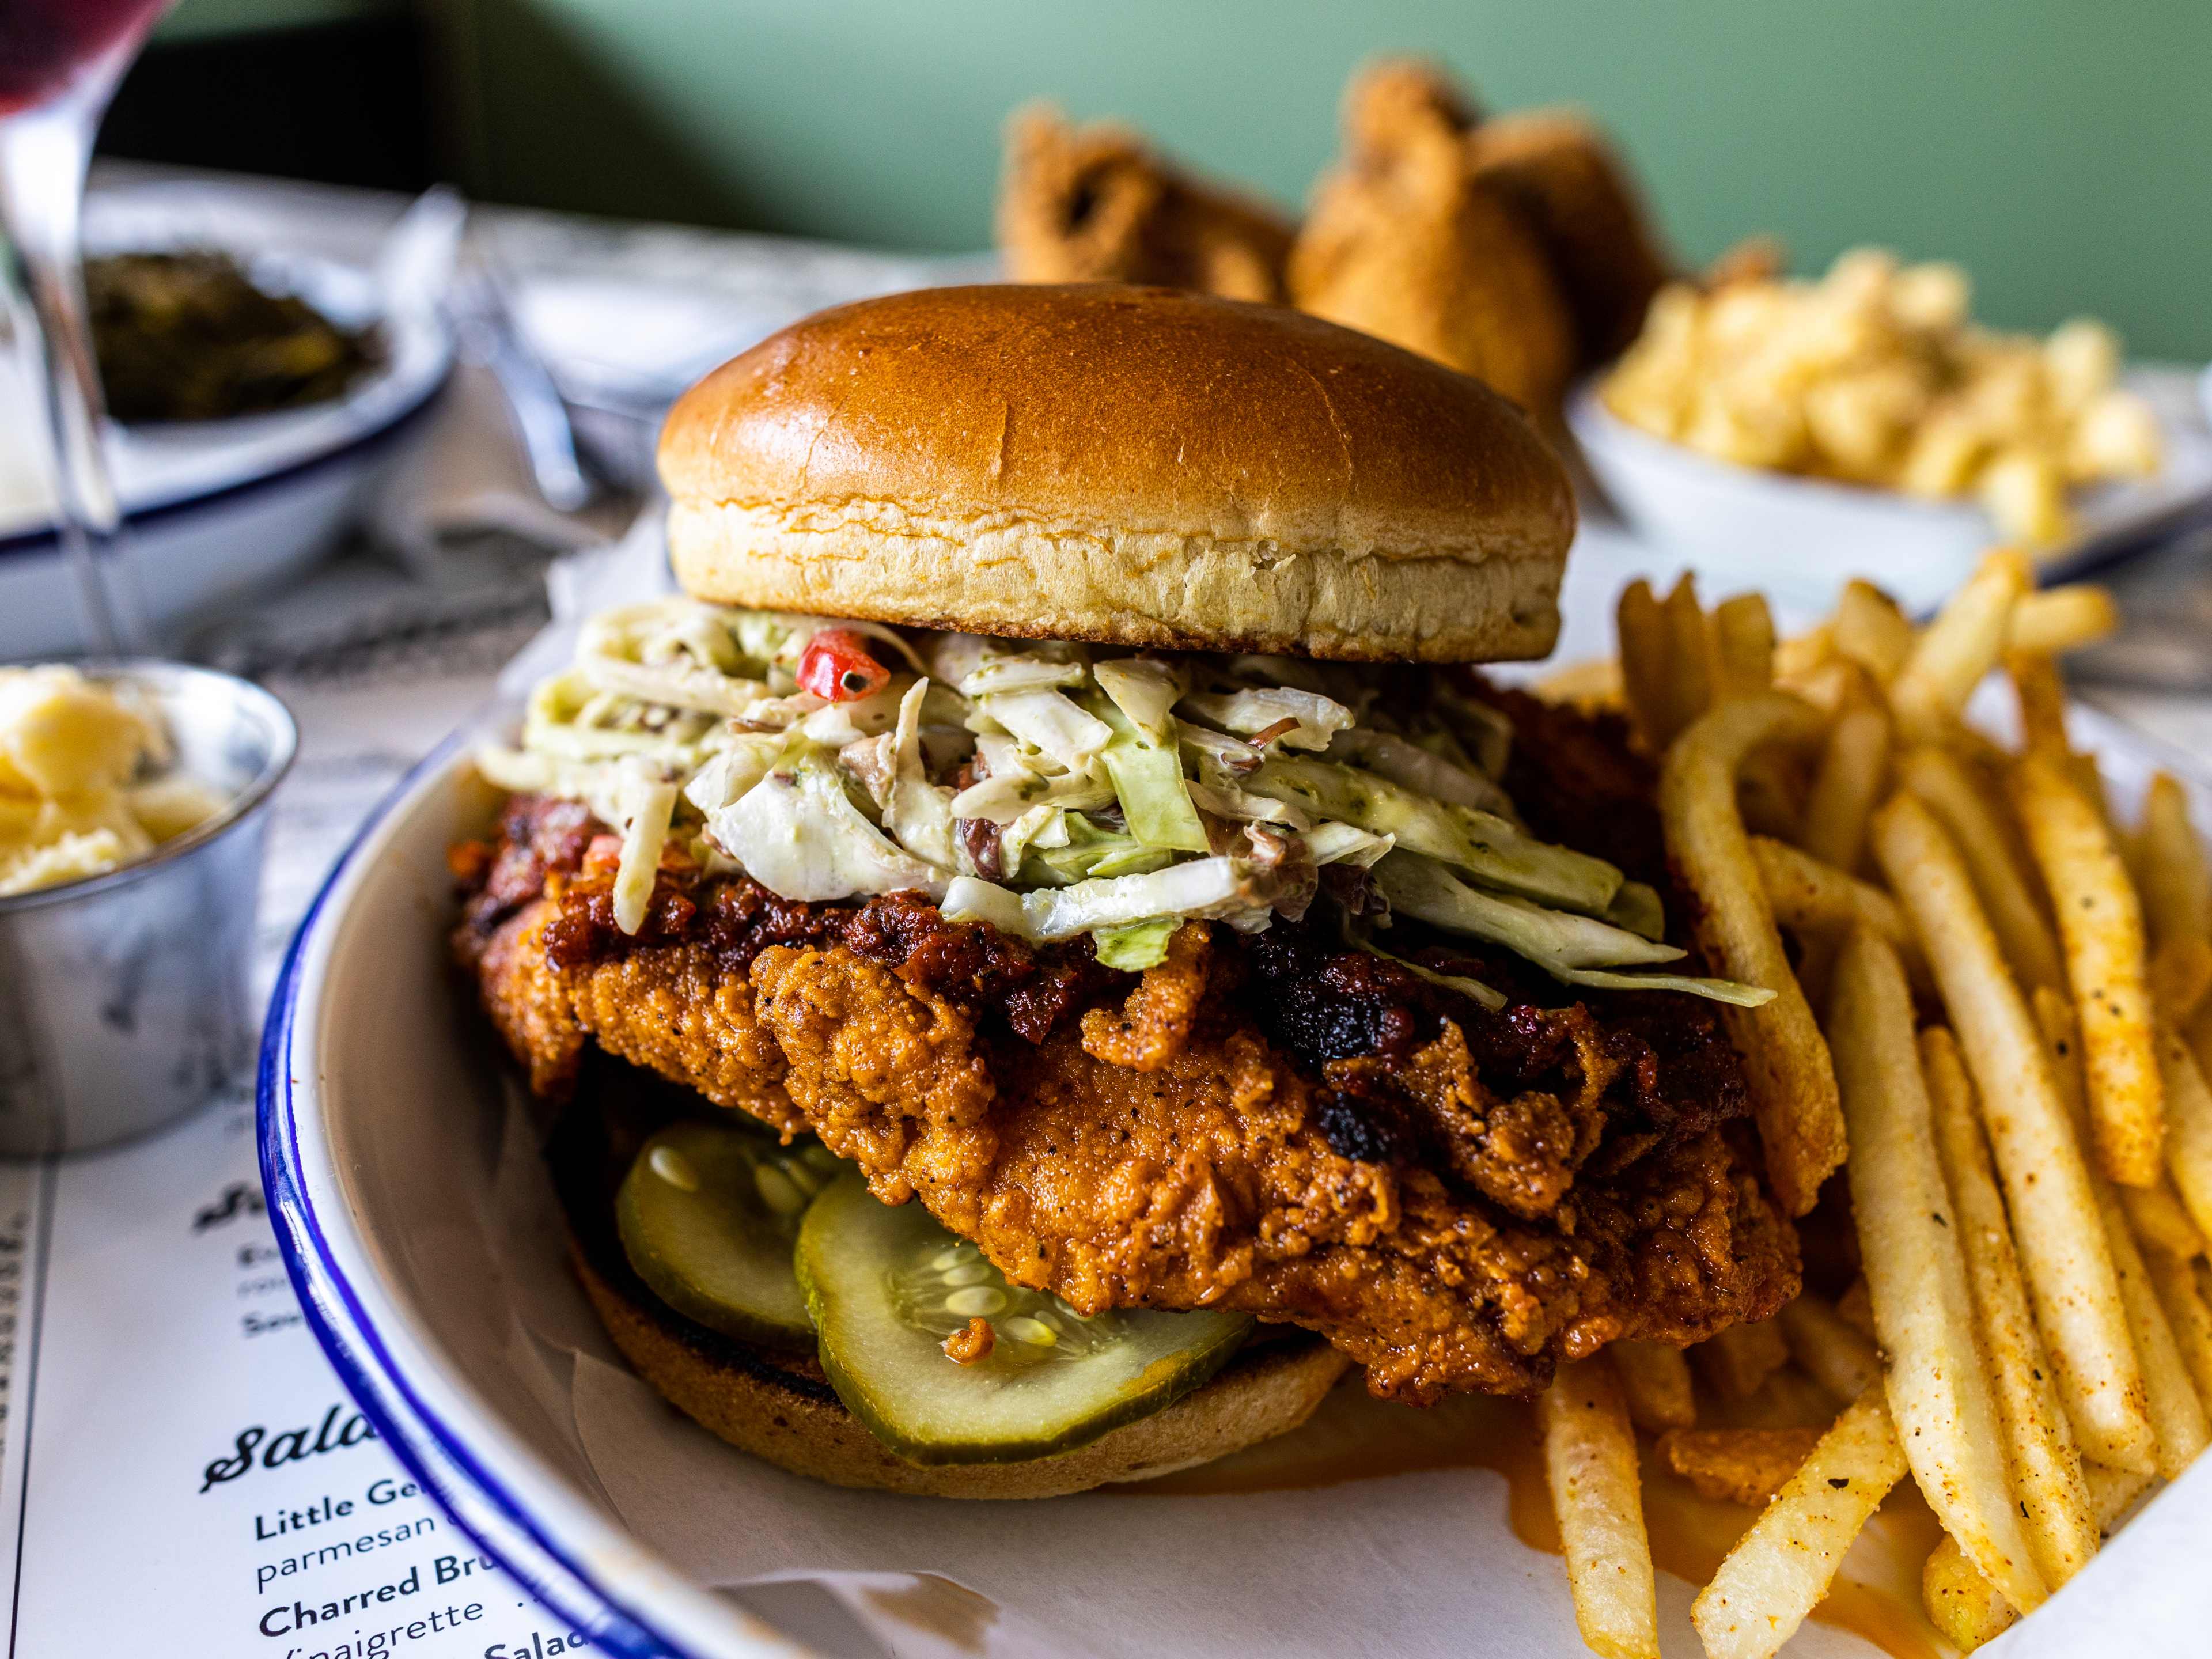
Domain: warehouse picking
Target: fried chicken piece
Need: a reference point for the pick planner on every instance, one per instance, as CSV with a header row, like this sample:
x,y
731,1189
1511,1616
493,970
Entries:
x,y
672,1011
1456,1198
1603,250
1209,1174
1155,1023
1095,204
1208,1180
1408,241
527,1000
1394,101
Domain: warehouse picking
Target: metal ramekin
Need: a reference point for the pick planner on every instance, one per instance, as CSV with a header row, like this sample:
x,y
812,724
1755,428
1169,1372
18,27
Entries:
x,y
125,999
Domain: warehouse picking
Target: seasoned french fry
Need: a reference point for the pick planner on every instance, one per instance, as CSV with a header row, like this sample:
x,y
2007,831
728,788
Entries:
x,y
2197,1038
1743,646
1803,654
2177,886
1780,1568
2161,1220
1590,1462
1842,1360
2039,1452
1645,649
1690,656
1923,1310
2055,1224
1939,780
2062,619
1827,687
2101,926
1809,896
2175,1410
2180,976
2041,695
2042,698
2189,1126
1869,629
2179,1294
1737,1466
1735,1362
1963,1605
1955,651
1854,767
1655,1378
1792,1081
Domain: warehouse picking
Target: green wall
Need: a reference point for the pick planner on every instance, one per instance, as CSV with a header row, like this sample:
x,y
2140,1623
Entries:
x,y
2062,150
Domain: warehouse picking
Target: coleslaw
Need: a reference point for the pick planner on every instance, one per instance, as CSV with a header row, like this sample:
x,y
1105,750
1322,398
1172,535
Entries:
x,y
1053,790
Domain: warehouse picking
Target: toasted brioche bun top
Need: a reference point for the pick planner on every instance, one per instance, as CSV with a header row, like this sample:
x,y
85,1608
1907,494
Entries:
x,y
1133,465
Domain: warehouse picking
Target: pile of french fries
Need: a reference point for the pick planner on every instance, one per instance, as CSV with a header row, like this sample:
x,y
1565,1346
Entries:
x,y
1992,1018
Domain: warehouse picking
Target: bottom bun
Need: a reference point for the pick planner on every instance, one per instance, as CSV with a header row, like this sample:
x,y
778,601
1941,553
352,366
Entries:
x,y
776,1407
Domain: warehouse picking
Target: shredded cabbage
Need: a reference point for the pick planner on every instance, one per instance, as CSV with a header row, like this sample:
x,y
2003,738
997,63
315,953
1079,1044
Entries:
x,y
917,813
1575,950
1115,795
1639,908
1203,888
1140,946
650,802
1551,939
1004,796
1046,720
1481,843
1410,766
1146,691
1488,996
798,834
1312,719
1719,990
1148,786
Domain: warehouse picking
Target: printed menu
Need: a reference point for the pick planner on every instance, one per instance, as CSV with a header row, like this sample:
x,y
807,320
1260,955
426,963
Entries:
x,y
181,1471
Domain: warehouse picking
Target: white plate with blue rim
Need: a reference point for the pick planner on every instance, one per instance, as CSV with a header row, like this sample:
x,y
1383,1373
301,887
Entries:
x,y
217,509
381,1122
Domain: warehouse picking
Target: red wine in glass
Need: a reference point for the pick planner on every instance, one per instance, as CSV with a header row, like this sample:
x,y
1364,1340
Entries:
x,y
59,62
45,43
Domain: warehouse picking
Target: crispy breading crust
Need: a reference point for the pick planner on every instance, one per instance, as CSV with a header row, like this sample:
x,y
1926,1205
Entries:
x,y
1408,241
1094,203
1273,1122
1201,1174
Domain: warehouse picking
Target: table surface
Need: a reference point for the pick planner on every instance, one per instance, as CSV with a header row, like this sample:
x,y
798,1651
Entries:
x,y
154,1336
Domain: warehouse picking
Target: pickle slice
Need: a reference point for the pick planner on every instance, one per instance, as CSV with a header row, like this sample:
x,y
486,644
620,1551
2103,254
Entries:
x,y
886,1286
708,1215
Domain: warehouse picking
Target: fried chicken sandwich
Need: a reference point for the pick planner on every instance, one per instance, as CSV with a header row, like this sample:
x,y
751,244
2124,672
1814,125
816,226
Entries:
x,y
1049,953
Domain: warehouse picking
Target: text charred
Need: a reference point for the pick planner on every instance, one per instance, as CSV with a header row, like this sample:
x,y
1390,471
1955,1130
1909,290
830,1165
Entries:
x,y
287,1617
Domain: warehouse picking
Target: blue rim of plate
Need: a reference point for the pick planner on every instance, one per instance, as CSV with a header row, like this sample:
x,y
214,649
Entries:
x,y
30,543
476,1501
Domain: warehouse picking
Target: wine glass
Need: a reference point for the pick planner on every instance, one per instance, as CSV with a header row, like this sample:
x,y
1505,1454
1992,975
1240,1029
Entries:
x,y
59,62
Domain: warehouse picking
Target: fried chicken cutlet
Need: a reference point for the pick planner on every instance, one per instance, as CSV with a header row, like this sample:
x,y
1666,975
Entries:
x,y
1458,1199
1602,247
1095,204
1407,241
